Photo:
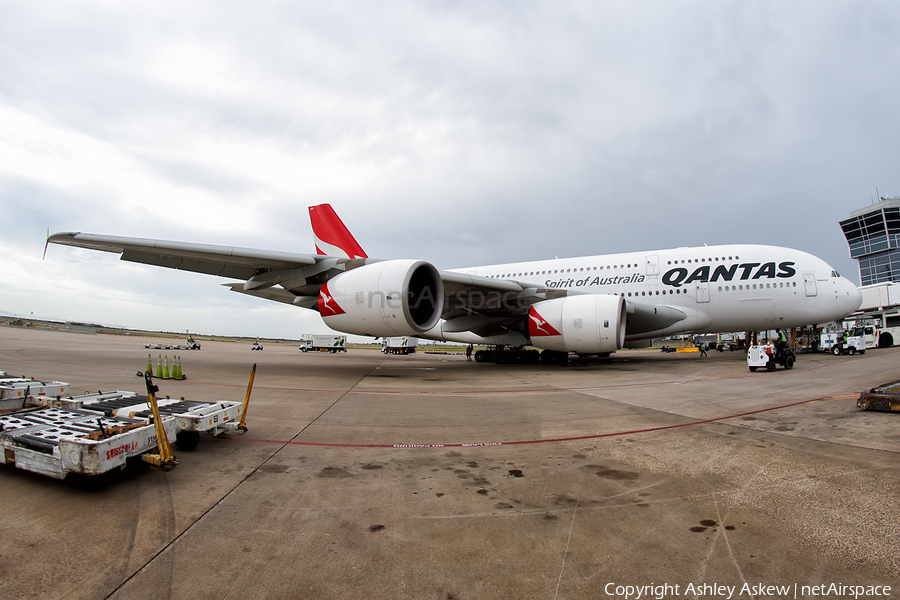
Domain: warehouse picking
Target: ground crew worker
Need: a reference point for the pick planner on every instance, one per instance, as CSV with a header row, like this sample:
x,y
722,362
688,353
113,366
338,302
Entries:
x,y
469,352
780,344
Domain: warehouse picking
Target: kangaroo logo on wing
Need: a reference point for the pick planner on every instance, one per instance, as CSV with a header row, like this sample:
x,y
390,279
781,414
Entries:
x,y
538,326
328,306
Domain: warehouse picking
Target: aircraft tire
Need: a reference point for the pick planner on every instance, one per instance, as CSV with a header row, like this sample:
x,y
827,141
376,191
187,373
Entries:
x,y
481,356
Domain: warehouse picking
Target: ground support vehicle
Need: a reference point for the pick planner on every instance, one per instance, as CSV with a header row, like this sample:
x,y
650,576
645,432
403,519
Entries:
x,y
399,345
883,397
58,441
191,417
887,336
874,336
16,391
91,434
190,344
829,340
256,346
185,346
728,341
851,345
856,338
764,356
324,343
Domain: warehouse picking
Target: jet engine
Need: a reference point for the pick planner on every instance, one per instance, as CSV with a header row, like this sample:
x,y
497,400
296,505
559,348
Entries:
x,y
394,297
588,324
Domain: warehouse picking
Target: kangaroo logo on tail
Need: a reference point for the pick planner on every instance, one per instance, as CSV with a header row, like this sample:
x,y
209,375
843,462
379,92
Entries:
x,y
332,236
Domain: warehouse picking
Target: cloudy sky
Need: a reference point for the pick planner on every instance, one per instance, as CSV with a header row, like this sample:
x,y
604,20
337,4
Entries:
x,y
457,132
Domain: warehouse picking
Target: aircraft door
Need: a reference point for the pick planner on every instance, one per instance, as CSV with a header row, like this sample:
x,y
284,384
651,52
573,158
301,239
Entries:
x,y
653,265
702,292
809,282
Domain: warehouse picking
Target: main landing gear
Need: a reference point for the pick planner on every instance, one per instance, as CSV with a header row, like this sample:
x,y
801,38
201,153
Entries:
x,y
503,355
508,356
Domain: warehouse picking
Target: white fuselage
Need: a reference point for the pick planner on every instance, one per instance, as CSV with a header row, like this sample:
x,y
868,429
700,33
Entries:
x,y
720,288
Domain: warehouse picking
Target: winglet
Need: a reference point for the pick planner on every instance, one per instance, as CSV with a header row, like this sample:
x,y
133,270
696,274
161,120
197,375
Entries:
x,y
332,236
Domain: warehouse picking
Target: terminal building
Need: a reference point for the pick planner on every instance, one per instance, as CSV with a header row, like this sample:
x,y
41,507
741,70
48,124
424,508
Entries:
x,y
873,235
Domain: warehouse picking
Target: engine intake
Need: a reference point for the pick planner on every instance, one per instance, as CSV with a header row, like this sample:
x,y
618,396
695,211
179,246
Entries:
x,y
589,324
394,297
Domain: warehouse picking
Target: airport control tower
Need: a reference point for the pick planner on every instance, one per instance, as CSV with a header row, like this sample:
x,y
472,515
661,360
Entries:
x,y
873,234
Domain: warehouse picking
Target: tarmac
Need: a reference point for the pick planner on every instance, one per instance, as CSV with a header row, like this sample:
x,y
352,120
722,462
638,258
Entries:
x,y
427,476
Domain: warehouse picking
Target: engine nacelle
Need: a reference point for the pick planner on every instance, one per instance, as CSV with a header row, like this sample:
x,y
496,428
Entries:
x,y
394,297
589,324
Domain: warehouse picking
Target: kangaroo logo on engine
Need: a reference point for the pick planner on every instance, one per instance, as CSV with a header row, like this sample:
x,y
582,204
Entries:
x,y
328,307
538,326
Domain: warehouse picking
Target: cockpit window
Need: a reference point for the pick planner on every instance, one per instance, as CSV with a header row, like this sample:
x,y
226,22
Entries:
x,y
835,274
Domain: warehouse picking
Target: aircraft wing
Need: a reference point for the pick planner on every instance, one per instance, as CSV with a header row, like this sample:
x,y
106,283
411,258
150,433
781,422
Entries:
x,y
300,276
224,261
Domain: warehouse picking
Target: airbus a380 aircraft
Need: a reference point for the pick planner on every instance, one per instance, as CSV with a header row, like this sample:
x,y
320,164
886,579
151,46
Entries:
x,y
587,305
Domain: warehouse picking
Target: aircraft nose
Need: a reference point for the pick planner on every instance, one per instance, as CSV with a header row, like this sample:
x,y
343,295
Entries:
x,y
852,294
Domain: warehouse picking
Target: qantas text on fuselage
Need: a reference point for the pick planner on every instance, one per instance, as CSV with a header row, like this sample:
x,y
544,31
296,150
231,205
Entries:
x,y
680,276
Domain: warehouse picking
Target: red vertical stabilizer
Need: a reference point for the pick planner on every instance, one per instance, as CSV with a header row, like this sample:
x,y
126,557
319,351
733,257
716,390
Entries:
x,y
332,236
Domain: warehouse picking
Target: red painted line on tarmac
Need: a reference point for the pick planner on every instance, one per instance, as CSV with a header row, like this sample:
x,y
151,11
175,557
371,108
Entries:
x,y
543,441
